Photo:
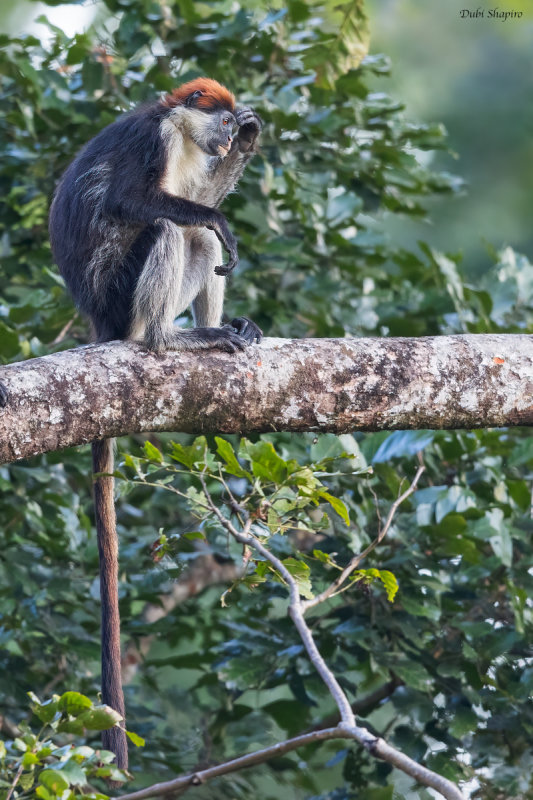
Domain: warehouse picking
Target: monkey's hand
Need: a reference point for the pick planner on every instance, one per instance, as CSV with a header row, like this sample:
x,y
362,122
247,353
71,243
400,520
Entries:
x,y
228,242
4,396
250,126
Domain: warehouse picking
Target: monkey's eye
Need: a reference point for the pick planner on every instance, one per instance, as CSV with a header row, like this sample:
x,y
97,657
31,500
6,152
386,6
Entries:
x,y
225,121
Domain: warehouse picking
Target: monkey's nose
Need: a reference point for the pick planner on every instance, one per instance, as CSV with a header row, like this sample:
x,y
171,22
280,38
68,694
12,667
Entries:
x,y
230,139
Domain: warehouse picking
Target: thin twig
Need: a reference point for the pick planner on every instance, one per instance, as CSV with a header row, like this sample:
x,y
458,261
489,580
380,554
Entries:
x,y
65,329
335,587
15,781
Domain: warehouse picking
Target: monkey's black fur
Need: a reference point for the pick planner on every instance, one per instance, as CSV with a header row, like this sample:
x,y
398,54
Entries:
x,y
136,233
112,192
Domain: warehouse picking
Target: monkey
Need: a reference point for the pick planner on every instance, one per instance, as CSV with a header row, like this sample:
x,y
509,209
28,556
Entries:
x,y
137,235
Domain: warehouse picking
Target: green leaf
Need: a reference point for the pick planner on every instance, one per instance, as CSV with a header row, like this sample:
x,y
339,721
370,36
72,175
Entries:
x,y
266,463
44,711
73,703
137,740
100,718
9,341
28,759
70,725
402,443
325,558
44,794
390,583
197,501
73,772
464,720
413,673
54,780
387,578
301,574
26,780
381,793
337,505
153,453
226,451
194,454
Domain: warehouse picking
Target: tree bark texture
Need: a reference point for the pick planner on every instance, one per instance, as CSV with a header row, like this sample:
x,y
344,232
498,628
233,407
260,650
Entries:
x,y
334,385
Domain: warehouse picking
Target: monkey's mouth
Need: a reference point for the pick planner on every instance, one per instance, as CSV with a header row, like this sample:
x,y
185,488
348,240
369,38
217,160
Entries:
x,y
223,151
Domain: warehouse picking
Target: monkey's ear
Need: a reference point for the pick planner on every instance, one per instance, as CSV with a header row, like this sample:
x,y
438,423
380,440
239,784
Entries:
x,y
190,101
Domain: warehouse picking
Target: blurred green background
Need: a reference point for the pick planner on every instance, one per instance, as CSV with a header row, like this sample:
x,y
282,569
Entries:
x,y
476,77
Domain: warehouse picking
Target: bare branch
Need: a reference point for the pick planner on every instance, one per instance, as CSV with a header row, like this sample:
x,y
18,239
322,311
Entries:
x,y
336,585
423,775
347,727
15,781
377,747
295,609
334,385
180,785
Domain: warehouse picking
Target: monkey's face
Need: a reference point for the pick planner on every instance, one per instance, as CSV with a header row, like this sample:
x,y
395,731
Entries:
x,y
212,131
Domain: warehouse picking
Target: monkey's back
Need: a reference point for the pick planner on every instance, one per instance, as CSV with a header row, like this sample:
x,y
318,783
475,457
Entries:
x,y
90,243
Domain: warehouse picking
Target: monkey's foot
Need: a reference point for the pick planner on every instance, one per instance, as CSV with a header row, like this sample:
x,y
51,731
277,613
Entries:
x,y
225,338
249,331
4,395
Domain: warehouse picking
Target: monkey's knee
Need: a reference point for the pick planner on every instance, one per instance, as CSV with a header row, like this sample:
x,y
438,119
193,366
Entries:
x,y
203,250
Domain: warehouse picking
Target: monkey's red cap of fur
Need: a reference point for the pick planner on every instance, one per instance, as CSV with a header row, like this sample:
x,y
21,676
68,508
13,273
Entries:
x,y
213,95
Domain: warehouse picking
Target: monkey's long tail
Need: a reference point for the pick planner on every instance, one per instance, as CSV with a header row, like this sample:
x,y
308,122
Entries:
x,y
104,503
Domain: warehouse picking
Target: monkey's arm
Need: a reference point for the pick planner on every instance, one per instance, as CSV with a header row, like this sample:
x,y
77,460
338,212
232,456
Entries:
x,y
131,207
227,171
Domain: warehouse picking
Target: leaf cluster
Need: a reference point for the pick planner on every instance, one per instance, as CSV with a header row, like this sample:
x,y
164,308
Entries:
x,y
39,765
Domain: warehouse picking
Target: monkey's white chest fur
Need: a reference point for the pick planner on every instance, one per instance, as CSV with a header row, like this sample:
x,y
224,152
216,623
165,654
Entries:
x,y
186,164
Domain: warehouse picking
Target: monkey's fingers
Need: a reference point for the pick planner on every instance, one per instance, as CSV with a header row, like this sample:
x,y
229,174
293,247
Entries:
x,y
4,395
247,116
225,269
246,328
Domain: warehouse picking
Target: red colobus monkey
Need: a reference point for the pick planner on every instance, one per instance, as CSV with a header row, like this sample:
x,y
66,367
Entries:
x,y
137,235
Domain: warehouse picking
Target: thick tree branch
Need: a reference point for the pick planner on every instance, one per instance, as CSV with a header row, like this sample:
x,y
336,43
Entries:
x,y
336,385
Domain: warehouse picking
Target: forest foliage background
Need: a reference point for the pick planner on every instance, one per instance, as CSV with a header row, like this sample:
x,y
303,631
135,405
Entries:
x,y
328,217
